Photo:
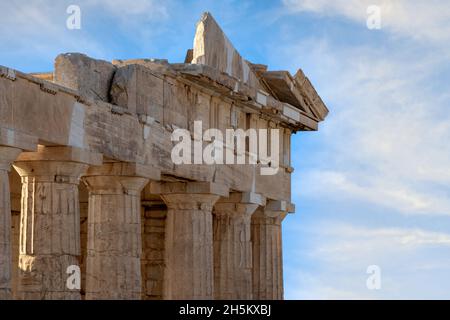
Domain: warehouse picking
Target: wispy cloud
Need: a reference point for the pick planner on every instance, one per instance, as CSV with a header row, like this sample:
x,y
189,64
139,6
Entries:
x,y
376,190
342,253
382,155
385,141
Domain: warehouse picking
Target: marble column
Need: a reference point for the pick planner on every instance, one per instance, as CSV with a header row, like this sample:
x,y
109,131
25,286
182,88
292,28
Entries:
x,y
189,239
232,246
267,251
50,220
7,156
114,245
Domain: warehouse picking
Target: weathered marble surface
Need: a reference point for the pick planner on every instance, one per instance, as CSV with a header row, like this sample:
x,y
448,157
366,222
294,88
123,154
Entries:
x,y
137,225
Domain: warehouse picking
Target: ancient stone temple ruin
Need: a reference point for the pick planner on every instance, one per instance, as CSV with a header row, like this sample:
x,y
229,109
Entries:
x,y
92,205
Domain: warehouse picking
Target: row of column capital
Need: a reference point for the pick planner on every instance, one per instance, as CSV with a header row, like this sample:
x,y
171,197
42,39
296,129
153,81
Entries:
x,y
119,178
115,189
55,164
275,209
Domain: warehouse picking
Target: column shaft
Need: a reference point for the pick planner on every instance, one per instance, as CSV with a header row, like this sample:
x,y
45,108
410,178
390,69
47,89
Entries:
x,y
7,155
114,247
233,251
114,233
189,246
267,255
49,228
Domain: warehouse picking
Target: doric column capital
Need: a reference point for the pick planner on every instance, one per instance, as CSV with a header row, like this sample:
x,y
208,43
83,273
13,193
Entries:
x,y
189,195
55,164
275,209
234,209
239,204
119,178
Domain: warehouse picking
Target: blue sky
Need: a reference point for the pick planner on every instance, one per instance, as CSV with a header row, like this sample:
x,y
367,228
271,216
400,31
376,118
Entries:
x,y
372,187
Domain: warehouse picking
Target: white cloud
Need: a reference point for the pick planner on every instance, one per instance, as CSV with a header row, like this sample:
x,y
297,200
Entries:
x,y
383,150
385,141
413,18
356,240
342,253
339,186
349,245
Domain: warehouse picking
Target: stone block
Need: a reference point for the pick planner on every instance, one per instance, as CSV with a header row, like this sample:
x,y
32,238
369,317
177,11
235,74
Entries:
x,y
90,77
140,90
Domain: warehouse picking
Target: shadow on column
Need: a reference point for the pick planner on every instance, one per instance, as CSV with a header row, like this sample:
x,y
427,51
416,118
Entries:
x,y
154,213
15,190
